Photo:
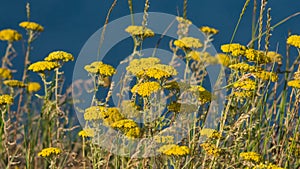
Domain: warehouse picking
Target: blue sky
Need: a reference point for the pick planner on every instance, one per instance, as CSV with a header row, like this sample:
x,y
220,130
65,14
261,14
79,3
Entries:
x,y
68,24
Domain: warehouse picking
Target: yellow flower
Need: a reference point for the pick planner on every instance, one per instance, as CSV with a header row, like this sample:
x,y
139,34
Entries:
x,y
159,71
183,21
211,149
210,133
59,56
139,31
33,87
146,89
10,35
138,66
47,152
235,49
246,84
86,133
5,73
223,59
188,43
294,83
274,57
6,99
203,95
267,166
244,67
250,156
107,114
257,56
195,55
294,40
14,83
208,30
99,67
173,149
32,26
264,75
164,139
42,66
128,126
243,94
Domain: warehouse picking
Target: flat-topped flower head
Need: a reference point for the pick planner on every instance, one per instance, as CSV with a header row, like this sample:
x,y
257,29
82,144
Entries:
x,y
235,49
33,87
10,35
188,43
211,149
243,94
244,67
6,99
51,151
140,31
174,150
210,133
250,156
33,26
246,84
294,40
159,71
5,73
109,115
181,20
128,127
14,83
209,30
59,56
146,89
264,75
42,66
138,66
294,83
275,57
203,95
101,68
86,133
256,56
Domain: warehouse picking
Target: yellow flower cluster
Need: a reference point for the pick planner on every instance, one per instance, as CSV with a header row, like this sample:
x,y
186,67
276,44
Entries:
x,y
42,66
32,26
264,75
108,115
101,68
6,99
211,149
267,166
210,133
203,95
159,71
33,87
294,83
208,30
174,149
47,152
188,43
137,66
5,73
235,49
257,56
128,127
245,84
243,94
164,139
223,59
244,67
59,56
294,40
183,21
14,83
146,89
139,31
10,35
274,57
86,133
182,107
250,156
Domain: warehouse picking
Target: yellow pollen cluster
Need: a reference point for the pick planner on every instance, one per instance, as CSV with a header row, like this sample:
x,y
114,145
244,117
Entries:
x,y
203,95
10,35
264,75
32,26
86,133
211,149
139,31
294,40
244,67
250,156
257,56
108,115
188,43
6,99
159,71
128,127
137,66
47,152
164,139
43,66
235,49
59,56
246,84
145,89
5,73
14,83
183,21
210,133
294,83
33,87
208,30
101,68
174,149
243,94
